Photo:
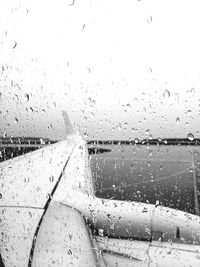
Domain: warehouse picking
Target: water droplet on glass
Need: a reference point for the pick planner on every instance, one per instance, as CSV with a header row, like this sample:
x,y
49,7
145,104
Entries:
x,y
42,142
72,3
101,232
192,90
147,132
150,152
51,178
132,166
160,167
190,136
136,140
26,97
15,44
191,170
166,93
125,125
149,19
177,120
119,126
86,134
16,120
189,112
177,98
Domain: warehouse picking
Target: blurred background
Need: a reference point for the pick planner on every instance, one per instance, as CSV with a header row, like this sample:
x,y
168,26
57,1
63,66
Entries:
x,y
122,69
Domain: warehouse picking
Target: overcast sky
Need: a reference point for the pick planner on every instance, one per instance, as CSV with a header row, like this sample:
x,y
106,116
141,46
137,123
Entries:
x,y
122,69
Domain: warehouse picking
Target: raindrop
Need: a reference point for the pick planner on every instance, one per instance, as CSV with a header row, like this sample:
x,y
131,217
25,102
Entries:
x,y
93,101
150,152
177,98
119,126
132,166
51,178
42,142
86,134
166,93
128,106
16,120
69,252
83,27
177,120
136,140
51,126
192,90
149,164
190,136
14,45
0,195
191,170
189,112
147,132
149,19
72,3
160,167
26,97
125,125
101,232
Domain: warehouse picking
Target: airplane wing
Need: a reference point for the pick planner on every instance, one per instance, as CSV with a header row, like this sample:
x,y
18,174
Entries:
x,y
51,216
28,183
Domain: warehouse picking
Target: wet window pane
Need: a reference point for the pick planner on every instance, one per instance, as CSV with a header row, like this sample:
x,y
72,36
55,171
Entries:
x,y
99,133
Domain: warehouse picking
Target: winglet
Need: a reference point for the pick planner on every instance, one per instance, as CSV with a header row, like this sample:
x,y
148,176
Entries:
x,y
68,124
